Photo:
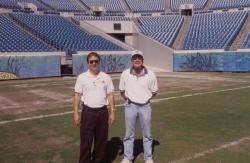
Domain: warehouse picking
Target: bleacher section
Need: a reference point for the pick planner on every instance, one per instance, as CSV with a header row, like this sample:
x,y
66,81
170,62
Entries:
x,y
226,4
109,5
246,43
103,18
14,39
146,5
163,29
198,4
13,4
64,5
65,34
214,31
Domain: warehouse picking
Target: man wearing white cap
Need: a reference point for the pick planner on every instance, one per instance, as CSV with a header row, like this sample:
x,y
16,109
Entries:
x,y
137,86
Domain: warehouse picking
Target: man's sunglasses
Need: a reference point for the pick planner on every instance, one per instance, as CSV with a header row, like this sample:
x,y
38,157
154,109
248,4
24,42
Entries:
x,y
93,61
137,57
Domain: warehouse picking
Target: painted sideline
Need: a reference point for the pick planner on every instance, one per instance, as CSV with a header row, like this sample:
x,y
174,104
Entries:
x,y
153,101
212,150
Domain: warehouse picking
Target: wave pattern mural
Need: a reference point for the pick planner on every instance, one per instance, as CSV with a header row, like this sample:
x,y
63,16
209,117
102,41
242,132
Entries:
x,y
31,66
221,61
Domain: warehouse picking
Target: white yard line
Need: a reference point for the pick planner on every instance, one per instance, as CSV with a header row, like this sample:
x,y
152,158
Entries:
x,y
190,76
197,94
154,101
41,116
212,150
35,117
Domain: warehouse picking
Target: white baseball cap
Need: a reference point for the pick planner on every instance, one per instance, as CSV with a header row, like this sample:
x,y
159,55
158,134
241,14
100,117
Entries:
x,y
137,52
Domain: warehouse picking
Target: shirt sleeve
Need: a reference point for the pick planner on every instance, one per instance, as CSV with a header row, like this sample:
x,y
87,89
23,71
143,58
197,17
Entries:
x,y
78,86
122,83
110,86
154,84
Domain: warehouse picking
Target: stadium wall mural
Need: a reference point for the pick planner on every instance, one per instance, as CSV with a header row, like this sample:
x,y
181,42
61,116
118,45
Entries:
x,y
220,61
109,63
14,66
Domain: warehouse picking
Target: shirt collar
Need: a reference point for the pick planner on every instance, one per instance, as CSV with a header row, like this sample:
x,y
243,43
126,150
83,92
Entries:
x,y
90,75
142,73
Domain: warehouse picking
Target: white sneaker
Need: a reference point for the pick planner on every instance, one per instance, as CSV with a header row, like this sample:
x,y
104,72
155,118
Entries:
x,y
126,161
149,161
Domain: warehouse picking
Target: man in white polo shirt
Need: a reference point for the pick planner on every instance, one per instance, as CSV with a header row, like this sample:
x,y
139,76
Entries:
x,y
137,86
95,90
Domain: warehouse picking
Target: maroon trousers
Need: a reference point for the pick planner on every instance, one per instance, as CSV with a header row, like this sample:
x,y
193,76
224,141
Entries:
x,y
94,127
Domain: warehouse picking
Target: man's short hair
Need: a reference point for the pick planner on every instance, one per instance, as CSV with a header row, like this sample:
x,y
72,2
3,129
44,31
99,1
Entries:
x,y
93,54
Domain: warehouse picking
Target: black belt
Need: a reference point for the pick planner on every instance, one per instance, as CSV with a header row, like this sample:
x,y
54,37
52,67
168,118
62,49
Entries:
x,y
99,108
136,103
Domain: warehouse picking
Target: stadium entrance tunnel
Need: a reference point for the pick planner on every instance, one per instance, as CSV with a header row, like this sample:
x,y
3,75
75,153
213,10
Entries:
x,y
66,70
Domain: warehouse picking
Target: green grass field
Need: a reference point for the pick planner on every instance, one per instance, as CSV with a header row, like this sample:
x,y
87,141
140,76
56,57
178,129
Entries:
x,y
197,118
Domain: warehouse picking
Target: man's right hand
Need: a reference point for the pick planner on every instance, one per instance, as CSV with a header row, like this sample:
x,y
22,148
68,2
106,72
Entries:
x,y
77,119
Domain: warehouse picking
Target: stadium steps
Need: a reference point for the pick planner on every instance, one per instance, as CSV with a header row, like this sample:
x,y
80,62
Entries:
x,y
241,35
73,20
208,4
167,5
136,21
78,25
178,43
34,33
125,6
83,5
47,5
29,31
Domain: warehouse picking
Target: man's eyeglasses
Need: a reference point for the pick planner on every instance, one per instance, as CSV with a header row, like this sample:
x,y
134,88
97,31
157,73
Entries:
x,y
93,61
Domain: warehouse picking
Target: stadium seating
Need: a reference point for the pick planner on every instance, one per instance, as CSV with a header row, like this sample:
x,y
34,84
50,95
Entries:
x,y
13,4
109,5
214,30
146,5
65,34
225,4
198,4
14,39
163,29
208,30
246,43
63,5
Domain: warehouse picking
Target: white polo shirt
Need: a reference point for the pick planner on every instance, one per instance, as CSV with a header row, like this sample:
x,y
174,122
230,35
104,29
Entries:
x,y
138,89
94,90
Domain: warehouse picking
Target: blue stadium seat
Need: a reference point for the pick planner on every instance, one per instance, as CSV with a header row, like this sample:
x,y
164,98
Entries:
x,y
163,29
214,30
64,5
109,5
225,4
13,4
146,5
246,43
198,4
65,34
14,39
